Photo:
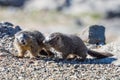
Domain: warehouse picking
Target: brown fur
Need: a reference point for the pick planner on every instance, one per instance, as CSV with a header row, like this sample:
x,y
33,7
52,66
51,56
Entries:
x,y
31,41
71,46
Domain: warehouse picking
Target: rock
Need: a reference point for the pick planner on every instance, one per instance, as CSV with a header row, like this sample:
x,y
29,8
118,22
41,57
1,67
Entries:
x,y
7,28
7,32
97,35
8,24
113,14
15,3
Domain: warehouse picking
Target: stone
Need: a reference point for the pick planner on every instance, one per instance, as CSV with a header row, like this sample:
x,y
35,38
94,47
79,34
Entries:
x,y
113,14
7,28
96,35
15,3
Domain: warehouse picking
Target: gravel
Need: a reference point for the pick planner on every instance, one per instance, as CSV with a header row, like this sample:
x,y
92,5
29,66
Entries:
x,y
13,68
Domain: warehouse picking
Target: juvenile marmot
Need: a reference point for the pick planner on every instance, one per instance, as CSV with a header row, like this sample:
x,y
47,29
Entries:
x,y
71,46
31,41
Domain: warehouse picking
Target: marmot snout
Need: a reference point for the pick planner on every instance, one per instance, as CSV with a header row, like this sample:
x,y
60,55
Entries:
x,y
23,39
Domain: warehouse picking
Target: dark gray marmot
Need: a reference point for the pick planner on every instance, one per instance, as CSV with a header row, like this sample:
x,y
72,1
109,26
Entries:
x,y
71,46
31,41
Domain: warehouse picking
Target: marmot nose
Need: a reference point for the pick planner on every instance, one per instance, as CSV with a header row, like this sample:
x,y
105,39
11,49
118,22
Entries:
x,y
23,42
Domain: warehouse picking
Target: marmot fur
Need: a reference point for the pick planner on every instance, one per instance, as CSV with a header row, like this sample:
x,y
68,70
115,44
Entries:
x,y
31,41
71,46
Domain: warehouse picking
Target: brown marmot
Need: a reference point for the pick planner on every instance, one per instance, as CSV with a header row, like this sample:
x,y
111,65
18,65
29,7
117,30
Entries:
x,y
31,41
71,46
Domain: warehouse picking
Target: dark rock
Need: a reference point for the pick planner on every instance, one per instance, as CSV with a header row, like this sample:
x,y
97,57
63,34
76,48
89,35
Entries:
x,y
17,29
15,3
8,24
97,35
68,3
113,14
7,28
76,66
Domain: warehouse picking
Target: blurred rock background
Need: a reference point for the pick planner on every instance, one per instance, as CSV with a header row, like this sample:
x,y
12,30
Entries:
x,y
67,16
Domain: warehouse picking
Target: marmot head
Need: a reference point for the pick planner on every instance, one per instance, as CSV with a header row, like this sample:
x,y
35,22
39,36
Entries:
x,y
54,40
22,38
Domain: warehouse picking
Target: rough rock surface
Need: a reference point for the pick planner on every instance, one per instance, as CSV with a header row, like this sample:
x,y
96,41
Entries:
x,y
97,34
8,29
13,68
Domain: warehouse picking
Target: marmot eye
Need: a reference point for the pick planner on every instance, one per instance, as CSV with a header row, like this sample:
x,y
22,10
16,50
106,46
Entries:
x,y
57,38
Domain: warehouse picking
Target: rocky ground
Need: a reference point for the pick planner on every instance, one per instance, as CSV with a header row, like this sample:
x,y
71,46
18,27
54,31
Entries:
x,y
13,68
71,15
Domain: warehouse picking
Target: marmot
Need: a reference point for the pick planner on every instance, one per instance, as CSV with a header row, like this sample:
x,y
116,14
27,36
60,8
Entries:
x,y
71,46
31,41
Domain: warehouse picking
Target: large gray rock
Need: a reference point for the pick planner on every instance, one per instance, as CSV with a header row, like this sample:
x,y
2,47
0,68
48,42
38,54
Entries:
x,y
97,35
8,29
7,32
